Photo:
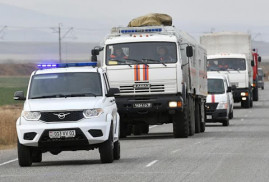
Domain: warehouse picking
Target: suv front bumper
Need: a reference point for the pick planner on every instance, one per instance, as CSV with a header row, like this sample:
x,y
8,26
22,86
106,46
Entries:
x,y
84,132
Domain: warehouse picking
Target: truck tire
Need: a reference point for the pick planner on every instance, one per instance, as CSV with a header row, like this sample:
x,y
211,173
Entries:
x,y
226,122
197,117
144,128
256,93
262,87
106,149
181,124
24,155
37,156
116,150
203,118
192,116
123,129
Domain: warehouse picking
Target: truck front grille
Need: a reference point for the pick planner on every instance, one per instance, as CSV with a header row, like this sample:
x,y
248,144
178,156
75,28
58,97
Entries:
x,y
154,88
61,116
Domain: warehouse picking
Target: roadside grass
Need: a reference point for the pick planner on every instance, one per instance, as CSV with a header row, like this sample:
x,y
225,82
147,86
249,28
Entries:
x,y
8,118
8,85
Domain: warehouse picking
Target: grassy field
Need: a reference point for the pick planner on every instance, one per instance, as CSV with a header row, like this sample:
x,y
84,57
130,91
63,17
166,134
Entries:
x,y
8,117
8,85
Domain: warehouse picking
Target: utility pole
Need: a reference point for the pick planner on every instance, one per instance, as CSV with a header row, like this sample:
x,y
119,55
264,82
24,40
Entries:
x,y
60,43
59,31
2,31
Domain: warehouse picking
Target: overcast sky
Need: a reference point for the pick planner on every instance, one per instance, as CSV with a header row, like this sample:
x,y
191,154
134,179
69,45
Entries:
x,y
193,16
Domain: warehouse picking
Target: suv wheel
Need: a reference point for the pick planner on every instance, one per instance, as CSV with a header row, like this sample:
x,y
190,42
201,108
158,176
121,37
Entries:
x,y
24,155
116,150
106,149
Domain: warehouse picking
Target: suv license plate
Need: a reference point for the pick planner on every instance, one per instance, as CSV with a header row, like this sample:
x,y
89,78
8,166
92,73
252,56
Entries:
x,y
62,134
142,105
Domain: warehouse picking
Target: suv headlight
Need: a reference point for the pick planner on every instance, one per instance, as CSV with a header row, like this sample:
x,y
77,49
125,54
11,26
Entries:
x,y
31,116
89,113
222,105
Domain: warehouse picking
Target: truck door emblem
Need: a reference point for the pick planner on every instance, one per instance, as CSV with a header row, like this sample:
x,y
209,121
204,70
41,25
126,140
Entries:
x,y
61,115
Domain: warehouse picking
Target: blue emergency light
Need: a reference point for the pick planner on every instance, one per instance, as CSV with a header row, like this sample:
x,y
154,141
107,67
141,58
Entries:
x,y
65,65
149,30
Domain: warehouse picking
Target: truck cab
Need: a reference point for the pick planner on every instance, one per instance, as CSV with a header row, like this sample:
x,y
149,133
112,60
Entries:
x,y
68,107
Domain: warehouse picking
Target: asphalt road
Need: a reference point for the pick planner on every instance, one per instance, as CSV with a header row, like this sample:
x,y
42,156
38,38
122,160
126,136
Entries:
x,y
239,152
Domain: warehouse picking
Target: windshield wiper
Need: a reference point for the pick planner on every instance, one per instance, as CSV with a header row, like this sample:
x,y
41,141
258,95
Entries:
x,y
153,60
82,95
49,96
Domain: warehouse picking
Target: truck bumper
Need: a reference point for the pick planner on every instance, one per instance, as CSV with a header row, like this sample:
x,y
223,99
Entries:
x,y
152,107
238,97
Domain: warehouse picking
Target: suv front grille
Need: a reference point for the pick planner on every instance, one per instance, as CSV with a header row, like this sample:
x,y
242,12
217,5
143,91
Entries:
x,y
61,116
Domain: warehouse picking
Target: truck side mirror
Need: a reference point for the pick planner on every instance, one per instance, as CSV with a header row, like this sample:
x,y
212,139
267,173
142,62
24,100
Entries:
x,y
95,52
260,59
19,95
233,87
112,91
252,63
189,51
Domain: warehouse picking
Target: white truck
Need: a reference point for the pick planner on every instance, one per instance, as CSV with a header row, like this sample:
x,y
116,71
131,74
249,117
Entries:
x,y
230,53
161,74
68,107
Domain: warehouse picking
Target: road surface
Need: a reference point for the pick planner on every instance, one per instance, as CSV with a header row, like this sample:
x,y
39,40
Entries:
x,y
238,153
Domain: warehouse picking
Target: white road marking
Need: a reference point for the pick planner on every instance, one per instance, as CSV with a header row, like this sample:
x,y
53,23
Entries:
x,y
153,126
175,151
151,163
8,162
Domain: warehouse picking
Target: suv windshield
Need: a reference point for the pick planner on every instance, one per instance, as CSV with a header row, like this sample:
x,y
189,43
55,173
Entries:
x,y
215,86
65,85
141,53
226,64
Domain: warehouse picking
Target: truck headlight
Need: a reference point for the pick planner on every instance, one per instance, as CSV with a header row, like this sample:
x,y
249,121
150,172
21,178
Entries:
x,y
222,105
89,113
31,116
244,93
174,104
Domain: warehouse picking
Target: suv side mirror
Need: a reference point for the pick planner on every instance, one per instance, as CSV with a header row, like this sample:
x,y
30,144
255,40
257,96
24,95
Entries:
x,y
112,92
229,89
95,53
260,59
252,63
189,51
19,95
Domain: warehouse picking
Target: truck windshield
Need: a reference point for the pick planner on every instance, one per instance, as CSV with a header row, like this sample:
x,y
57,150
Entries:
x,y
141,53
226,64
56,85
215,86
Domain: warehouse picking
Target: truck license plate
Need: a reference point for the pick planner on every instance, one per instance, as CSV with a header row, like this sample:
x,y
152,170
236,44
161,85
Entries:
x,y
142,105
62,134
208,116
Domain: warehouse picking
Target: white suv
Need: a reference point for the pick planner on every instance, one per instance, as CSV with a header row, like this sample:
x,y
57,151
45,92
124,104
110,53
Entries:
x,y
68,107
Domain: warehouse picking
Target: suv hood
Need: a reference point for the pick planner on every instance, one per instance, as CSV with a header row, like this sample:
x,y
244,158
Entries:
x,y
62,104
